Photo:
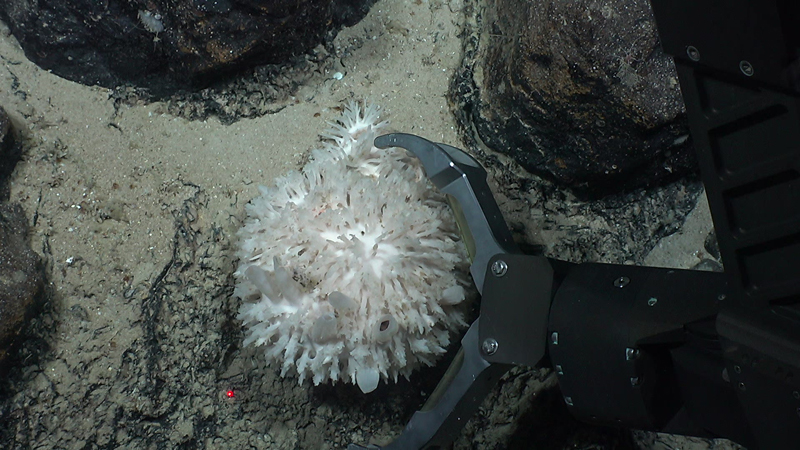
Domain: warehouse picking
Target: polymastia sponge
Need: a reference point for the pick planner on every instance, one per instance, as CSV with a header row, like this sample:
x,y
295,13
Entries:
x,y
352,268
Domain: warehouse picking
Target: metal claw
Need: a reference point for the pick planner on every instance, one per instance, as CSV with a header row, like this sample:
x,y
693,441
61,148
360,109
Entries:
x,y
458,395
470,376
463,179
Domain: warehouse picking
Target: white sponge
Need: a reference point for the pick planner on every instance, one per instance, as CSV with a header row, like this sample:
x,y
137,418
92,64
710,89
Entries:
x,y
351,269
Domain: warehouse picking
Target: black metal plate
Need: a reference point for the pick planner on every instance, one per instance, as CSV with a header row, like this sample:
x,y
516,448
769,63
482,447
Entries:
x,y
515,309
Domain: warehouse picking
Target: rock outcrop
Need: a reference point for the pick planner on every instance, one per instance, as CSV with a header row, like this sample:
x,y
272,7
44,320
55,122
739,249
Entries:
x,y
577,91
164,45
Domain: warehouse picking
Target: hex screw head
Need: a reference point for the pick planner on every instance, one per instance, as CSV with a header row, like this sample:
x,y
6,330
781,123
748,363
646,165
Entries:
x,y
621,282
559,369
631,353
489,346
554,338
568,401
693,53
652,301
499,268
747,68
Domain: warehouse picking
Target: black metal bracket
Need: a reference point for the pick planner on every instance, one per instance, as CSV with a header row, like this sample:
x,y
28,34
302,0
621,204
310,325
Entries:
x,y
514,309
611,329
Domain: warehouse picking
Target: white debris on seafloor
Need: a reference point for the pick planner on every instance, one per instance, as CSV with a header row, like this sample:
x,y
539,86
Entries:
x,y
352,268
151,21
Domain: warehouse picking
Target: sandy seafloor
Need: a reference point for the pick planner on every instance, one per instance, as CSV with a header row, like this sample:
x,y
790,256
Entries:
x,y
135,211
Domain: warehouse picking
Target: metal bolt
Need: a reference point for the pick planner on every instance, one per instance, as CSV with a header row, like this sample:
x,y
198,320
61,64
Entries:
x,y
746,68
742,387
489,346
652,301
721,297
635,381
693,53
499,268
554,338
559,369
621,282
737,369
568,401
631,354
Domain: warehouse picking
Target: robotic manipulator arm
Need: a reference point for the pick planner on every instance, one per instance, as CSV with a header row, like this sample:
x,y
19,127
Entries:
x,y
679,351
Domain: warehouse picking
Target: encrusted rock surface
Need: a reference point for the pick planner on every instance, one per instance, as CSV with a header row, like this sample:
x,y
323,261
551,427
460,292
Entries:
x,y
577,91
168,44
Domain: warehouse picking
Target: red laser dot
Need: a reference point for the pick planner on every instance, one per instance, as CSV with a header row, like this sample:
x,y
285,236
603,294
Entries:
x,y
230,393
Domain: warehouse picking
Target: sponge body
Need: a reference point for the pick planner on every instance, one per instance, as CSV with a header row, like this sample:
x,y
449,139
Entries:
x,y
351,269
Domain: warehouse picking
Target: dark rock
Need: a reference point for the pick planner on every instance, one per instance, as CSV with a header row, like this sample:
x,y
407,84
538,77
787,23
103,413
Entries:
x,y
9,153
164,45
577,91
21,277
711,245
